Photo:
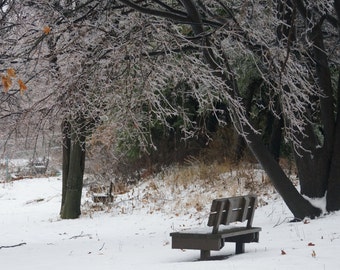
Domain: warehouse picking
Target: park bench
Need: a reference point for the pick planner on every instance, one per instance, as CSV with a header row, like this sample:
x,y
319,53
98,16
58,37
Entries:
x,y
223,212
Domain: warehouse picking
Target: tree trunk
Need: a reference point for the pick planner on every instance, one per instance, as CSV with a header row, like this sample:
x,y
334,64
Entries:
x,y
248,100
73,163
333,197
333,191
273,131
66,131
299,206
275,140
312,165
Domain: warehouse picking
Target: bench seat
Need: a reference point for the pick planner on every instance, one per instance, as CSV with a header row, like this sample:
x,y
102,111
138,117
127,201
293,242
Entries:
x,y
209,241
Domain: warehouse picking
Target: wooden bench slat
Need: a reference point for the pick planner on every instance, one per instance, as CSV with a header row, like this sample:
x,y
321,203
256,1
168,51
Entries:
x,y
208,241
245,208
228,214
213,213
251,211
223,233
219,215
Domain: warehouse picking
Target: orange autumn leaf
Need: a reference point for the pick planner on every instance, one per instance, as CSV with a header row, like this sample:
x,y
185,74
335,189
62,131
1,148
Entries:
x,y
22,86
11,72
46,30
6,82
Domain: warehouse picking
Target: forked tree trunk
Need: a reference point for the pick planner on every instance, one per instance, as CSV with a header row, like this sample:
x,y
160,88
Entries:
x,y
319,171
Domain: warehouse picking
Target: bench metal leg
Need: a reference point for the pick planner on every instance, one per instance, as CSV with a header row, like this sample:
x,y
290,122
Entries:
x,y
239,247
205,254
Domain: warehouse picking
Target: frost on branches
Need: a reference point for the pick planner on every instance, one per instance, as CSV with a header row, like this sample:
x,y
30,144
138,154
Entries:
x,y
131,65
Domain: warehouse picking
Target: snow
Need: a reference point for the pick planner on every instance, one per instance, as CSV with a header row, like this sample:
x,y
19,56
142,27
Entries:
x,y
318,202
139,239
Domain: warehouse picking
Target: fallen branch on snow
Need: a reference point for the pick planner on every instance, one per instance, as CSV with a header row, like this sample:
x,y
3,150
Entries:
x,y
17,245
81,235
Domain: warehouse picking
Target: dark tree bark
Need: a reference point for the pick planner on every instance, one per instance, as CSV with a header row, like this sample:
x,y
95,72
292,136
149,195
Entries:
x,y
275,140
66,131
241,143
333,192
74,164
273,132
312,166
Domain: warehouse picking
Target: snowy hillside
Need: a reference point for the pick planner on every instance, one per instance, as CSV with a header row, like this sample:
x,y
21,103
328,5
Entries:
x,y
134,232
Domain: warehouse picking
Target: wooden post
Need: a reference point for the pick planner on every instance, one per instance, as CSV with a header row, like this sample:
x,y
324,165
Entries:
x,y
239,247
205,254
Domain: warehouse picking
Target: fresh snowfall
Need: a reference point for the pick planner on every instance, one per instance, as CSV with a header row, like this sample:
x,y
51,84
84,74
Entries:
x,y
133,231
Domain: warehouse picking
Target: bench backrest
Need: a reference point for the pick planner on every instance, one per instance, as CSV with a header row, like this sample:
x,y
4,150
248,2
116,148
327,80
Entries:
x,y
228,210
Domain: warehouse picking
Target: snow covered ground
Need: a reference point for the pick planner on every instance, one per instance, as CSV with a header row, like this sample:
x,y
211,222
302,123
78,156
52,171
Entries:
x,y
33,237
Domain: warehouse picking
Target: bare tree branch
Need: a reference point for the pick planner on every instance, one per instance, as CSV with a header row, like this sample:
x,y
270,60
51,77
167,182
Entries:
x,y
13,246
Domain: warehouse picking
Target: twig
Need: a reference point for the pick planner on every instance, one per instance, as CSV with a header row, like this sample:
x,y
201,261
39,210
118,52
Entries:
x,y
17,245
102,247
80,235
280,222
